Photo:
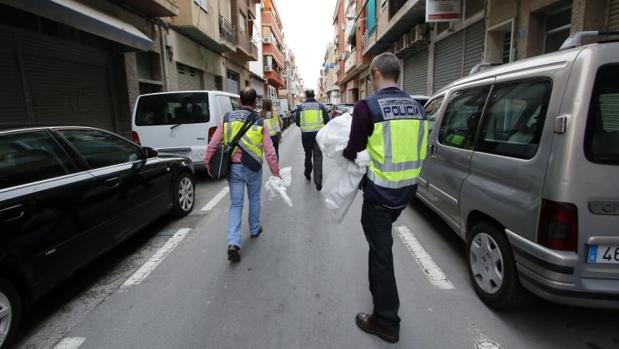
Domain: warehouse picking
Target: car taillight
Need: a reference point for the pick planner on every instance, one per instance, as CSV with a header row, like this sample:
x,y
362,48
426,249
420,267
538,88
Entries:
x,y
211,132
135,137
558,226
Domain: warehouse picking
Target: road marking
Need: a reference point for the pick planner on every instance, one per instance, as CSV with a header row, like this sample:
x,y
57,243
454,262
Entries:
x,y
70,343
211,204
150,265
432,271
483,342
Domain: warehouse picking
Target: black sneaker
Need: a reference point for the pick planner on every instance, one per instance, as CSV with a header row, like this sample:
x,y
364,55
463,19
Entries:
x,y
308,176
233,254
319,187
258,233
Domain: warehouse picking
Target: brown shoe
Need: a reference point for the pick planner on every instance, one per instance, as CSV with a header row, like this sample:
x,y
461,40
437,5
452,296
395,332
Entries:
x,y
260,230
367,324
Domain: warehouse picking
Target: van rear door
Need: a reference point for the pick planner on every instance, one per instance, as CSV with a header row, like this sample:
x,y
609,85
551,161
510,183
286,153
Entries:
x,y
175,123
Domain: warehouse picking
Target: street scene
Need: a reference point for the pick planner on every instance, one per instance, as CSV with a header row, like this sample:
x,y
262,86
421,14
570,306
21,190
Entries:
x,y
309,174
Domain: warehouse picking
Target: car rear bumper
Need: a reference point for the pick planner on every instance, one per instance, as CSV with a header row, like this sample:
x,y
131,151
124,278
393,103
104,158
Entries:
x,y
553,275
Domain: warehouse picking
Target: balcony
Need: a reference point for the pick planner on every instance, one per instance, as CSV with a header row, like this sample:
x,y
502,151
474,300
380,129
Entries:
x,y
226,31
350,62
389,29
246,48
156,8
273,77
202,25
272,50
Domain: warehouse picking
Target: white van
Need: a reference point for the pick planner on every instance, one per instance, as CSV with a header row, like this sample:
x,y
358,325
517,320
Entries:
x,y
180,122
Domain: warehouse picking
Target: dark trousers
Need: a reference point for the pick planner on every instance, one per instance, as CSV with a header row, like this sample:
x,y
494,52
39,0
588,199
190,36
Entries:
x,y
312,151
377,222
275,140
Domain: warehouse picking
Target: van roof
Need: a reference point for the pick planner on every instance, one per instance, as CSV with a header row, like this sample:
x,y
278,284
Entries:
x,y
223,93
525,64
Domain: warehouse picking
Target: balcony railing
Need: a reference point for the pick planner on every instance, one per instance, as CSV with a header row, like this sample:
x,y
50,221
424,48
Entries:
x,y
226,30
350,62
248,45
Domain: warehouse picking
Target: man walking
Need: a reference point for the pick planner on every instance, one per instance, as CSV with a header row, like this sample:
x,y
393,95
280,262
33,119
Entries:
x,y
245,168
311,116
394,129
273,122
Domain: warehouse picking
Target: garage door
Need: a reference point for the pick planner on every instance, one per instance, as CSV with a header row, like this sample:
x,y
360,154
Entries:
x,y
416,73
189,79
53,81
457,54
613,15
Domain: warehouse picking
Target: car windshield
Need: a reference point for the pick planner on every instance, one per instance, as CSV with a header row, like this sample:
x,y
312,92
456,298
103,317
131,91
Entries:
x,y
602,137
172,109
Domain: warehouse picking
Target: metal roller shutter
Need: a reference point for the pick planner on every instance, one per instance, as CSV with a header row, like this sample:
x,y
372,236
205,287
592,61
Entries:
x,y
613,15
66,83
448,60
416,73
189,79
473,46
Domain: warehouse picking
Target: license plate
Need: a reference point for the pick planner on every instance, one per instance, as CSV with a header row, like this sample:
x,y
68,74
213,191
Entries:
x,y
603,254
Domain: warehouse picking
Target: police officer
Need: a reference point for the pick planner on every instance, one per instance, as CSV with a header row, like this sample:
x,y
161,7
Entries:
x,y
245,167
311,116
394,129
273,122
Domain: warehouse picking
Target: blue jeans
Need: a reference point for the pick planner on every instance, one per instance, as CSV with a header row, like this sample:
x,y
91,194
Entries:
x,y
239,177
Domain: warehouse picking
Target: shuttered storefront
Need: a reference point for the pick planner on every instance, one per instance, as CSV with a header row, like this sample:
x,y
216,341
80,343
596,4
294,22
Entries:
x,y
189,79
416,73
613,15
455,55
52,81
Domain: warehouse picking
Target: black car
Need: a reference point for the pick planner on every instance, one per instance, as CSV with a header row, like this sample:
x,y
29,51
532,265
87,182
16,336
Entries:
x,y
68,194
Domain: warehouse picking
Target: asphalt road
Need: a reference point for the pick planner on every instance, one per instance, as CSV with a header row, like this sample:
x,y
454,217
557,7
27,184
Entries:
x,y
298,286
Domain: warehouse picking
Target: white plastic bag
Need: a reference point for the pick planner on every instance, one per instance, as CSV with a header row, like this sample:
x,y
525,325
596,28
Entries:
x,y
342,185
276,186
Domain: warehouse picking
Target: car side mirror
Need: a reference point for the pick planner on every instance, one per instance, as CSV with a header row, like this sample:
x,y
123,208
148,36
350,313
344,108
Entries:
x,y
150,153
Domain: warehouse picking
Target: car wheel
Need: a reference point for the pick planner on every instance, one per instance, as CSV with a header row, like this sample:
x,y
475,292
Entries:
x,y
184,195
492,267
10,313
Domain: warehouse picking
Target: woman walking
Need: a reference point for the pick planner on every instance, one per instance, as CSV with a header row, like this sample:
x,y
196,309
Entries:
x,y
273,123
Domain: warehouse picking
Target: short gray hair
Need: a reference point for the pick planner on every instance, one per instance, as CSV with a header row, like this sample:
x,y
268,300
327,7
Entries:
x,y
388,65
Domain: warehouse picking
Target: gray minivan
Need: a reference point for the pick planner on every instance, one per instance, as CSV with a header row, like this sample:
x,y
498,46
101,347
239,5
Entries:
x,y
523,163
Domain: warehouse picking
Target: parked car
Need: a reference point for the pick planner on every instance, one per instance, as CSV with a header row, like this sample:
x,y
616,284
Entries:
x,y
69,194
182,122
339,109
421,99
522,164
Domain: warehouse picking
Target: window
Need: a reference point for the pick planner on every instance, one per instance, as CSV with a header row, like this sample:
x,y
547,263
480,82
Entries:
x,y
225,104
243,23
101,149
432,109
172,109
31,157
462,116
602,136
203,4
473,7
557,29
514,118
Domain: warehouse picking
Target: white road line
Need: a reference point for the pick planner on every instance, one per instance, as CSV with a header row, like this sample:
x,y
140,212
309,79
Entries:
x,y
150,265
483,342
211,204
70,343
426,263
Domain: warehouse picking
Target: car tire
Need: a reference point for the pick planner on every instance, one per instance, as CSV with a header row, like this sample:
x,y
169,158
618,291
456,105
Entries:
x,y
10,313
183,195
492,268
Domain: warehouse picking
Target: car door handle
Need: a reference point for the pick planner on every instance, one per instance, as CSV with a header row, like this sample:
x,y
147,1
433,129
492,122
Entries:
x,y
12,213
432,149
112,183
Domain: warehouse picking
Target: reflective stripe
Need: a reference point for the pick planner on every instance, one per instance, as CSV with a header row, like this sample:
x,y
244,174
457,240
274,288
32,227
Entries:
x,y
389,166
389,183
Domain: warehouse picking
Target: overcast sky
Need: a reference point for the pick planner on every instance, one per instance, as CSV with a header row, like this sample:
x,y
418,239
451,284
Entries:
x,y
308,27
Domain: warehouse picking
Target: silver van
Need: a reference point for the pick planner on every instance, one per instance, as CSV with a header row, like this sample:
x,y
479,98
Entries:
x,y
523,163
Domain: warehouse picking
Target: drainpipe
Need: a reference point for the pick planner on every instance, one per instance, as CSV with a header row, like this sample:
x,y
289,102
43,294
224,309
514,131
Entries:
x,y
164,59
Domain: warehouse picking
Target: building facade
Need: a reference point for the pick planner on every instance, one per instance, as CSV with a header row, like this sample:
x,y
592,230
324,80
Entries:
x,y
274,59
435,54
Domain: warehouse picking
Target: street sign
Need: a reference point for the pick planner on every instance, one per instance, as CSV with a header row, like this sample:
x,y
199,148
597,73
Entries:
x,y
443,10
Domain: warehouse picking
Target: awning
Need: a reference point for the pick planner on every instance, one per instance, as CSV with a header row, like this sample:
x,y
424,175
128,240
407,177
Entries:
x,y
88,19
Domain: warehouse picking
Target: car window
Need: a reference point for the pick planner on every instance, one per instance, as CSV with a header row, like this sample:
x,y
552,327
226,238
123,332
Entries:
x,y
225,104
432,109
30,157
172,109
101,149
236,103
602,135
462,116
514,118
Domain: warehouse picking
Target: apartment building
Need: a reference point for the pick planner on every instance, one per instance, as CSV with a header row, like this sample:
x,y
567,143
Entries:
x,y
274,59
293,91
331,88
256,68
